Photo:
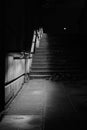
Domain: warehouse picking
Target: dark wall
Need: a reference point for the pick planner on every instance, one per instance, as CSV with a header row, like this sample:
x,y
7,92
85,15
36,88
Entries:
x,y
63,14
32,20
2,55
83,19
14,19
20,20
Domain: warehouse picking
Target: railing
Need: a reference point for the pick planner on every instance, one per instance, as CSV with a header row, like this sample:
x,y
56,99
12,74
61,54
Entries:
x,y
13,86
12,89
35,43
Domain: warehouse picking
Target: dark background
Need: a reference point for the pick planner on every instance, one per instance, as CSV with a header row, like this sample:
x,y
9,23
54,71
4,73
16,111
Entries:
x,y
20,18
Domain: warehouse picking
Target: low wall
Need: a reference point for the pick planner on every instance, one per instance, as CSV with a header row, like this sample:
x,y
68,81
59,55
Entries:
x,y
14,76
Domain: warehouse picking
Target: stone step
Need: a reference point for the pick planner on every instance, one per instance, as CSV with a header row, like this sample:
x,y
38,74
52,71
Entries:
x,y
47,64
48,60
39,76
42,73
50,56
57,74
50,49
46,54
76,71
76,68
41,56
44,70
51,59
49,52
46,50
43,46
60,65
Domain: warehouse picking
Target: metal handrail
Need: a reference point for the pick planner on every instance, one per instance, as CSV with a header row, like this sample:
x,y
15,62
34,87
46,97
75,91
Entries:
x,y
33,43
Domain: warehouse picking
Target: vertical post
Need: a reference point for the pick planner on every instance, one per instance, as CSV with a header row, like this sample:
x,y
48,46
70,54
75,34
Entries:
x,y
25,68
26,71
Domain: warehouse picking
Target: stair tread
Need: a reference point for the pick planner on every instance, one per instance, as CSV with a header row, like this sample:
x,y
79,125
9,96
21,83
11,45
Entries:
x,y
39,75
46,62
48,56
45,70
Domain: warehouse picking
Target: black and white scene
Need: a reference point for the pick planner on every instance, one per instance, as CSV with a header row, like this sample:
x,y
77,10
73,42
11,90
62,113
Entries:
x,y
43,67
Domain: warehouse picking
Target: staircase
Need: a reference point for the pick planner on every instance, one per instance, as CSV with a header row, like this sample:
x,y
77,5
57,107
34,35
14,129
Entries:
x,y
52,60
40,65
46,62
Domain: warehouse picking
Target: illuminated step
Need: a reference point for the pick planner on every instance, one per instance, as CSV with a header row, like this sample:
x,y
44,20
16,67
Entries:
x,y
48,60
49,64
39,66
39,76
48,56
45,70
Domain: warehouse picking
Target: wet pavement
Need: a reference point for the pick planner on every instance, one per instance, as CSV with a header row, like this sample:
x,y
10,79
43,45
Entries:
x,y
46,104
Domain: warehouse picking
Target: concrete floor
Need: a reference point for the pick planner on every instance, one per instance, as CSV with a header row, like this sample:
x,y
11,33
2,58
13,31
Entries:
x,y
45,104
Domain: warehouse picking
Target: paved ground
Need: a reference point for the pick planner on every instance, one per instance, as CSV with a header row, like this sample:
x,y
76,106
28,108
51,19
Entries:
x,y
45,104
